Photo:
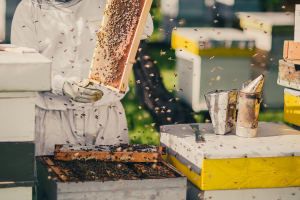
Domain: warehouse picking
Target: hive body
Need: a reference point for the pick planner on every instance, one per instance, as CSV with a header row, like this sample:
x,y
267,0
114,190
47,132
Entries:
x,y
121,31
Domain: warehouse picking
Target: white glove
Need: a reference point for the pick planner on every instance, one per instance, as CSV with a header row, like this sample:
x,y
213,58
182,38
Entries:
x,y
74,88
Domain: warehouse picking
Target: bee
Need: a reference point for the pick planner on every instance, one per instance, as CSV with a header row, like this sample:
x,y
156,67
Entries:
x,y
171,20
162,53
248,16
218,78
207,120
212,57
283,7
215,21
60,42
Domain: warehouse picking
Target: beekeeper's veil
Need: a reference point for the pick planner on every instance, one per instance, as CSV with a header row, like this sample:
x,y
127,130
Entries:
x,y
48,4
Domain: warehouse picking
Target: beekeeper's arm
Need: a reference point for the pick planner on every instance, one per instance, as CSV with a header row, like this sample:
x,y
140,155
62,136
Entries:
x,y
23,33
110,96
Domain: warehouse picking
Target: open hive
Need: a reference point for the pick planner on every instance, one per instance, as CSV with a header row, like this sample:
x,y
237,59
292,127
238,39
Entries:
x,y
121,31
92,177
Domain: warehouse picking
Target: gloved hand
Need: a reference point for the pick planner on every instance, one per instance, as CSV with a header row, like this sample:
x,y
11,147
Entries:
x,y
74,88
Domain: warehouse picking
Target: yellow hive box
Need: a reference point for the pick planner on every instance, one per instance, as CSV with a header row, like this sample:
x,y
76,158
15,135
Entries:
x,y
225,42
226,162
292,106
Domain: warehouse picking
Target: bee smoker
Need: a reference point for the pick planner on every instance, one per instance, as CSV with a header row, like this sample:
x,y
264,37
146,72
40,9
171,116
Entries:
x,y
249,105
222,109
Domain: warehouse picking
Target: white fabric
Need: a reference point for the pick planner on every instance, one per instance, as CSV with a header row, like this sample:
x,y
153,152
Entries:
x,y
67,36
100,125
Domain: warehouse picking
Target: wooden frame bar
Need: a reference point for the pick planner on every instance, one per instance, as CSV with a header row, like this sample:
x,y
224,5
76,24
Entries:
x,y
109,156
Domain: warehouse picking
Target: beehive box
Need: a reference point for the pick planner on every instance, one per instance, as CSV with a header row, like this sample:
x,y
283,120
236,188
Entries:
x,y
287,193
121,31
203,55
83,180
229,162
289,74
292,106
24,72
22,76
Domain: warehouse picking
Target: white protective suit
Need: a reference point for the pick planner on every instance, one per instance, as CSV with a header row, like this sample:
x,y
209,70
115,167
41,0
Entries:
x,y
67,36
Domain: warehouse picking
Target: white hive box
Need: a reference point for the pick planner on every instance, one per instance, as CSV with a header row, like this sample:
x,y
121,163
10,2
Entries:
x,y
202,55
230,163
287,193
297,23
16,193
21,77
24,72
269,29
17,116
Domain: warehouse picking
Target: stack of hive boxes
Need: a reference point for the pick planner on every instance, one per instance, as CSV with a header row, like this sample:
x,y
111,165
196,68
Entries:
x,y
228,167
208,59
22,76
289,74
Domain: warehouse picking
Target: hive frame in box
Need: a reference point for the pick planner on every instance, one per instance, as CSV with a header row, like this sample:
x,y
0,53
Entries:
x,y
108,156
159,189
119,85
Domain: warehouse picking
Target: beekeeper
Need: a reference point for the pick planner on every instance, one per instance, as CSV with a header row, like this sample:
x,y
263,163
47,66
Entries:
x,y
65,32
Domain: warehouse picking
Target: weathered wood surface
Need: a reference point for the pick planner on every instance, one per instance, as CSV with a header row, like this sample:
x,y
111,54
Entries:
x,y
122,28
291,50
289,74
152,94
